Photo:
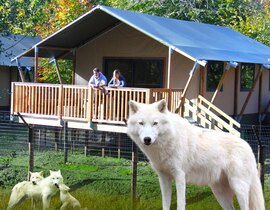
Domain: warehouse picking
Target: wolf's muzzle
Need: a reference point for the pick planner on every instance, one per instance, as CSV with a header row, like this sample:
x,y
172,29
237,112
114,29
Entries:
x,y
147,140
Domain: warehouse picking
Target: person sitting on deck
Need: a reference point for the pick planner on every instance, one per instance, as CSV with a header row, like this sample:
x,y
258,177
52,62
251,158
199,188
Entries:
x,y
117,80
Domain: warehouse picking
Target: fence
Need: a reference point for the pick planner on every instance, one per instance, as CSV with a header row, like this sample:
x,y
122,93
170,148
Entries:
x,y
95,143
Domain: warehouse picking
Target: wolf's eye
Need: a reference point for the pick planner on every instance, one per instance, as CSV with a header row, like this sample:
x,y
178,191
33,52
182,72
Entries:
x,y
141,122
155,123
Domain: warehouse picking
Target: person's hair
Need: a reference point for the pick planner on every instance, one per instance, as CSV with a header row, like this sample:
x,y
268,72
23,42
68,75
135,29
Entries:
x,y
96,69
116,71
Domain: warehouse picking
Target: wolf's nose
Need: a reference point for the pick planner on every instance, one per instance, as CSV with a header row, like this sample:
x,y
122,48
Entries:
x,y
147,140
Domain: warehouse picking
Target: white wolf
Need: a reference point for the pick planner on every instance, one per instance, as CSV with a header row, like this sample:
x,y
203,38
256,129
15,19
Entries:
x,y
67,199
182,152
49,186
25,189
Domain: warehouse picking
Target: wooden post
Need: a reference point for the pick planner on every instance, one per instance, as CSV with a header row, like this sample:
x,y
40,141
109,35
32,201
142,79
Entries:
x,y
74,52
236,91
86,142
90,104
39,139
261,158
65,142
60,102
119,146
31,150
260,96
170,51
30,146
134,174
56,139
36,64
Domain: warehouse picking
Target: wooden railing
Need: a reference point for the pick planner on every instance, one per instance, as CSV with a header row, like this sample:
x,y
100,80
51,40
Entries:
x,y
210,116
82,103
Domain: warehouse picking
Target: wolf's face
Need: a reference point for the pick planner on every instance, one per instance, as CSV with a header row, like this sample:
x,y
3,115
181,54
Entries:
x,y
56,178
147,123
36,177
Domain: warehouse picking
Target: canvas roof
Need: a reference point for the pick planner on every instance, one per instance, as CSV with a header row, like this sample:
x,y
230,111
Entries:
x,y
12,45
197,41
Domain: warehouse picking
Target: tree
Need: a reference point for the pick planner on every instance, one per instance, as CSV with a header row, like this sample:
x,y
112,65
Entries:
x,y
58,13
20,16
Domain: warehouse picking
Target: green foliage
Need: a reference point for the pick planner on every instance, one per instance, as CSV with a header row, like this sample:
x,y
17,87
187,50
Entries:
x,y
47,71
104,183
20,16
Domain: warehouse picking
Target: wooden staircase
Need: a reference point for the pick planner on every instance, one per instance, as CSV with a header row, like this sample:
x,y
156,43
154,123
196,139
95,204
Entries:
x,y
207,115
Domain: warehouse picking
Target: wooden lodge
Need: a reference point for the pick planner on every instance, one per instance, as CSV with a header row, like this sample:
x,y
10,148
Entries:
x,y
218,81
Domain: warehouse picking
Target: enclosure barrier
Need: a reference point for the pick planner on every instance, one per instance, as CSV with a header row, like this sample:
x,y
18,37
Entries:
x,y
82,103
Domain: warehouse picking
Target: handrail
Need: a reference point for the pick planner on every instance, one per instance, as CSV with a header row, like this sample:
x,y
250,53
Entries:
x,y
219,112
208,119
82,103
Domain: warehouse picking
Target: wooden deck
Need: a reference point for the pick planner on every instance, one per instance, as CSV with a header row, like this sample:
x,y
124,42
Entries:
x,y
82,106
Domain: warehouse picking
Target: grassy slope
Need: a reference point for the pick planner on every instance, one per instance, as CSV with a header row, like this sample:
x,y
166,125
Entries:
x,y
104,183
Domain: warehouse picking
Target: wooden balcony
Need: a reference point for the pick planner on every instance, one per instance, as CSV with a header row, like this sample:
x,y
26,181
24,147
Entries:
x,y
82,106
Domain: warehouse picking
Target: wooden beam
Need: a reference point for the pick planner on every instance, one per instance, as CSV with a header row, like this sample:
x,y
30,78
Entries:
x,y
249,94
202,81
20,70
74,65
36,65
219,85
181,104
62,55
57,71
55,48
260,96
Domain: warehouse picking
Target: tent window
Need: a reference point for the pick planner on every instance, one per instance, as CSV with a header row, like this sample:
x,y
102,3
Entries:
x,y
147,73
214,73
247,76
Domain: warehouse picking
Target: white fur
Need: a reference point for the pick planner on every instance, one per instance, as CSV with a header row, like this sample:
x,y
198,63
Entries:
x,y
44,189
26,189
49,187
185,153
67,199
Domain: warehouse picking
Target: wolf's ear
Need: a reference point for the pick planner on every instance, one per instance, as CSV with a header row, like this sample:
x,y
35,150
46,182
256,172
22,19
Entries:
x,y
59,171
51,172
162,106
41,173
30,173
133,107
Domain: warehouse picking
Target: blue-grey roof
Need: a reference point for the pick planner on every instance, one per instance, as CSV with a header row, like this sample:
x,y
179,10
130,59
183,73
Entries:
x,y
197,41
12,45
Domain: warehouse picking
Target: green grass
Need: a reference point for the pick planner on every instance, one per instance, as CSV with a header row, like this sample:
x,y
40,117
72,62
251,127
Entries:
x,y
104,183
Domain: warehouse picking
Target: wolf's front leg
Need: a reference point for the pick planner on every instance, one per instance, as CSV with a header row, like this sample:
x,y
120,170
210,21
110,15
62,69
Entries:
x,y
46,199
33,204
166,190
180,182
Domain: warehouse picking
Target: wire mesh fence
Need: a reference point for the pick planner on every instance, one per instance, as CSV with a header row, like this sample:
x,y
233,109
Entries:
x,y
14,141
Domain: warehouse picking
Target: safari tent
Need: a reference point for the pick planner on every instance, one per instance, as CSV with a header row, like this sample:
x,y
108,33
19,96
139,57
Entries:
x,y
209,73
